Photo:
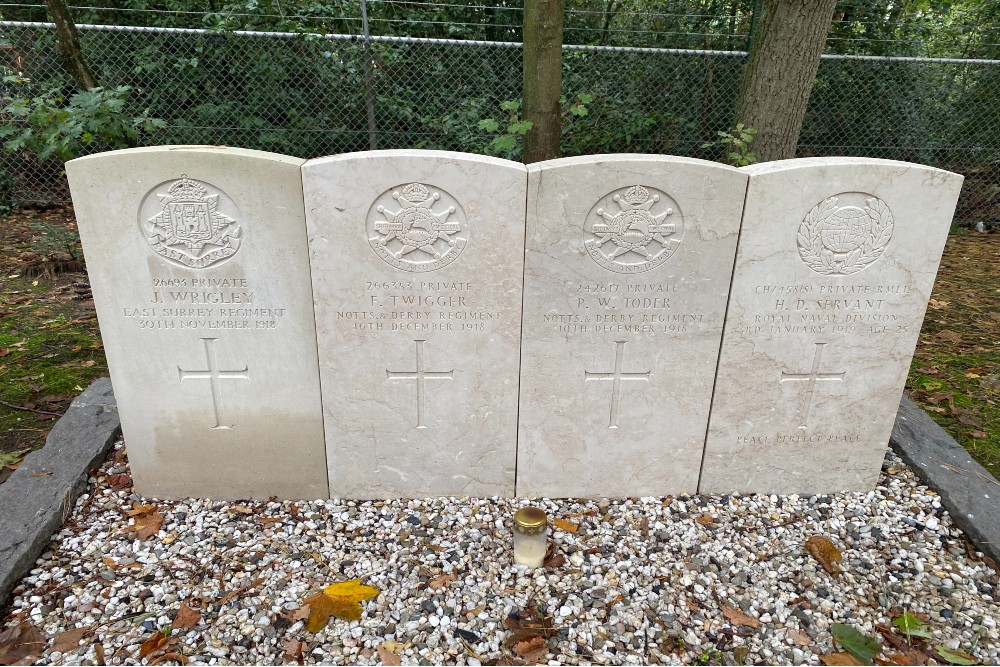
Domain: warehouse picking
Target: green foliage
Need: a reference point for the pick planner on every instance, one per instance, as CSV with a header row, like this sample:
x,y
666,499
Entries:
x,y
862,647
736,145
51,127
911,626
509,142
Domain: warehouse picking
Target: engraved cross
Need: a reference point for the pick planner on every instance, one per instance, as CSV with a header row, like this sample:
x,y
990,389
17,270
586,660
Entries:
x,y
420,375
213,374
812,377
617,376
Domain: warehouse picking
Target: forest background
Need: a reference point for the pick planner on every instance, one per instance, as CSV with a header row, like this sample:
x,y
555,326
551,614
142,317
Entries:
x,y
915,80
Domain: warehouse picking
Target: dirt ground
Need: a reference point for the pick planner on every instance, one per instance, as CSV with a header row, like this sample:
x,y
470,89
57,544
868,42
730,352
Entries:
x,y
50,347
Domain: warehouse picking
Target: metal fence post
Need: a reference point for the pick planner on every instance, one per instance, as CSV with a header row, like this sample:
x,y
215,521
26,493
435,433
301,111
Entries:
x,y
369,93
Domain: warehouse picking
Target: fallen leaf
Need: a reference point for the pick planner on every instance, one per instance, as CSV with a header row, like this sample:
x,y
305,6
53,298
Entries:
x,y
532,650
737,617
177,657
138,509
798,637
21,644
950,336
155,643
88,363
241,509
823,550
740,654
388,657
705,520
474,612
99,653
4,351
342,600
119,481
44,473
862,647
186,618
552,559
938,305
440,582
69,640
240,591
147,525
272,519
955,656
294,650
840,658
567,526
912,626
979,435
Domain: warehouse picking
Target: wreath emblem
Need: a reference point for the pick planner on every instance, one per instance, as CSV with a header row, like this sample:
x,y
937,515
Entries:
x,y
841,240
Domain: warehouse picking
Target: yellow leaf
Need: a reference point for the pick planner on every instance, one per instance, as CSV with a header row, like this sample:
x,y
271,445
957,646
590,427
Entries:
x,y
567,526
342,600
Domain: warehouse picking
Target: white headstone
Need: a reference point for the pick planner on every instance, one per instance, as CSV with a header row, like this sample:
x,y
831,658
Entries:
x,y
417,260
836,262
626,276
199,266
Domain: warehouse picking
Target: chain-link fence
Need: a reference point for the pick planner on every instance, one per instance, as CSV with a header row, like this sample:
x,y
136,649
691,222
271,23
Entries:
x,y
310,95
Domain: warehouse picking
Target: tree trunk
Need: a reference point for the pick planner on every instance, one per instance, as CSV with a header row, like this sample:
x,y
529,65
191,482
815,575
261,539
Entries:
x,y
543,28
780,73
70,41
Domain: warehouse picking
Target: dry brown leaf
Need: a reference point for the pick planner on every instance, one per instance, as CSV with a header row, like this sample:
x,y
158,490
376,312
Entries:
x,y
240,509
474,612
272,519
388,657
21,644
294,650
839,658
148,525
950,336
240,591
440,582
798,637
737,617
99,653
342,600
155,643
69,640
552,559
186,618
824,551
979,435
176,657
532,650
138,509
705,519
567,526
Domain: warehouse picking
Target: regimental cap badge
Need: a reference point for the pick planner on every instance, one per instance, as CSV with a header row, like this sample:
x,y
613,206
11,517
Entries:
x,y
190,229
631,230
417,227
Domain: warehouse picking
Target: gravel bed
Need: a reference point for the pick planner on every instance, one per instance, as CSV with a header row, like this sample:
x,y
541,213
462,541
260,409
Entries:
x,y
644,581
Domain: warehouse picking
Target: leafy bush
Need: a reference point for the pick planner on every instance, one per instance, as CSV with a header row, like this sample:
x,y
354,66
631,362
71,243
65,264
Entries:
x,y
51,127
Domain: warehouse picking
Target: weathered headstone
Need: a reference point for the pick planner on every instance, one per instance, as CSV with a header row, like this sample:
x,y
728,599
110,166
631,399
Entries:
x,y
835,266
627,271
417,260
199,265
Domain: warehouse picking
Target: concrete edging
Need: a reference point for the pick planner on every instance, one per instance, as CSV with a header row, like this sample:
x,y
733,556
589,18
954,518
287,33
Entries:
x,y
968,491
39,496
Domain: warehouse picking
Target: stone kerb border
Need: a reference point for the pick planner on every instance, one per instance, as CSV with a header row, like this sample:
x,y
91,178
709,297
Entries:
x,y
362,325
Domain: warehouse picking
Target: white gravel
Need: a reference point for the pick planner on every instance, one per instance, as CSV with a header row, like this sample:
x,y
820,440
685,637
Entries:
x,y
643,583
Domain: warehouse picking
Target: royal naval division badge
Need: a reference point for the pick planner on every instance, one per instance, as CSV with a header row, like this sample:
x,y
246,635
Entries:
x,y
835,239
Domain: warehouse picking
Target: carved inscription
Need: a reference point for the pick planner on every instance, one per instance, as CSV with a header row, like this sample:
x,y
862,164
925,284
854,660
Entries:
x,y
190,223
845,233
420,375
633,229
617,376
417,227
195,303
215,376
829,309
623,308
420,306
811,378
